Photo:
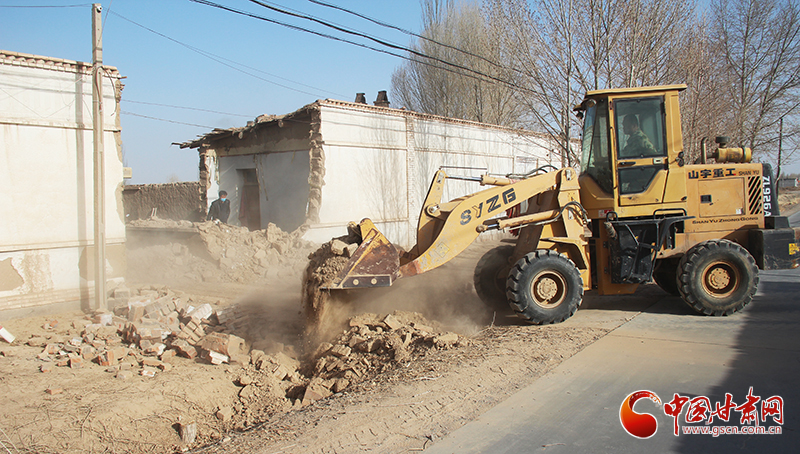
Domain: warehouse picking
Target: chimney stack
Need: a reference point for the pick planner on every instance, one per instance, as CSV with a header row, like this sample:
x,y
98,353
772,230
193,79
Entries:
x,y
383,100
360,98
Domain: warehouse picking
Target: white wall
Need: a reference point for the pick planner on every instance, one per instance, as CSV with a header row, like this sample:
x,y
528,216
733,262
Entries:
x,y
379,164
47,181
282,181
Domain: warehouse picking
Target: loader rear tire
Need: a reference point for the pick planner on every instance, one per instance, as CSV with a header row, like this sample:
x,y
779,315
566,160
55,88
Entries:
x,y
544,287
666,276
490,276
717,277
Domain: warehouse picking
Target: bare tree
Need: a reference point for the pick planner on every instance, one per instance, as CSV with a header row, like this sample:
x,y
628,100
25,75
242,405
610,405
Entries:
x,y
457,34
760,43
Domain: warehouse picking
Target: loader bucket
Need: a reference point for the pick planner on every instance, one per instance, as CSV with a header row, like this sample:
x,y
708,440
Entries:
x,y
374,264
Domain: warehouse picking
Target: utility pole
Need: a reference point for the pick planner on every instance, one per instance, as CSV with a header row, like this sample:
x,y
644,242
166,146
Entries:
x,y
99,160
780,149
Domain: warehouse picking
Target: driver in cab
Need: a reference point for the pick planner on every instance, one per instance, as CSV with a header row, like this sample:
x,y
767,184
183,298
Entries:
x,y
638,144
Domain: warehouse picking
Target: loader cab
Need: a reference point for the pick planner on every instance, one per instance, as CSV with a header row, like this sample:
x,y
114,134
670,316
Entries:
x,y
630,151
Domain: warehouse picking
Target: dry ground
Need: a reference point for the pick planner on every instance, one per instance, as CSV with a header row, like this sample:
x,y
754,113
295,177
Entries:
x,y
404,409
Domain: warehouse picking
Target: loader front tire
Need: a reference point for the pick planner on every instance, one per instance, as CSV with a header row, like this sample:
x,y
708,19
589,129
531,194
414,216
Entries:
x,y
544,287
717,277
490,276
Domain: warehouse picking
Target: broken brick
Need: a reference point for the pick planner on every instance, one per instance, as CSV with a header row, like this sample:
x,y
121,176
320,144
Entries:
x,y
184,349
227,344
392,322
216,358
151,362
167,355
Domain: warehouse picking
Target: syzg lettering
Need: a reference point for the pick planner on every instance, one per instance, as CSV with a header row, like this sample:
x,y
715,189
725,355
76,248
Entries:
x,y
492,204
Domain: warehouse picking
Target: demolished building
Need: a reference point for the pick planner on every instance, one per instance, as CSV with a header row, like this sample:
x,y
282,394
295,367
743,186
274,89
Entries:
x,y
332,161
47,247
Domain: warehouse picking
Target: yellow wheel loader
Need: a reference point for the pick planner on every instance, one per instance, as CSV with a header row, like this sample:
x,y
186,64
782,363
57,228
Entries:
x,y
637,211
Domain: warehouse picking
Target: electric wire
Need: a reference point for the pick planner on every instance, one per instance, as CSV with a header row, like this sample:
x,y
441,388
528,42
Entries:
x,y
222,60
471,73
369,37
410,33
81,5
166,120
186,108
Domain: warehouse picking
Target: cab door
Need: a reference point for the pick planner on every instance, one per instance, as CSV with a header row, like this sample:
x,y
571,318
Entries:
x,y
641,151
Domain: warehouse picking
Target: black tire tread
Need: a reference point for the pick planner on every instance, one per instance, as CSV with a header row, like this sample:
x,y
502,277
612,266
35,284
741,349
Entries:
x,y
697,253
515,289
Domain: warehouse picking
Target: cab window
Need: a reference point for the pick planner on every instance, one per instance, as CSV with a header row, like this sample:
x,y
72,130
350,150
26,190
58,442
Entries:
x,y
595,157
640,126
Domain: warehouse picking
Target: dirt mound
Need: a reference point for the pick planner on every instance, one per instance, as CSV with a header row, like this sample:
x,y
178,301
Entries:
x,y
181,251
187,370
372,345
323,266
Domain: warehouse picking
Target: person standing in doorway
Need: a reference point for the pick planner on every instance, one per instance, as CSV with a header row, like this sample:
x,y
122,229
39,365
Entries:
x,y
220,209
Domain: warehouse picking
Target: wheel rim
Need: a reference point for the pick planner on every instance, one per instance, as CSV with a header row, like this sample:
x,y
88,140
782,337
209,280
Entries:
x,y
548,289
721,279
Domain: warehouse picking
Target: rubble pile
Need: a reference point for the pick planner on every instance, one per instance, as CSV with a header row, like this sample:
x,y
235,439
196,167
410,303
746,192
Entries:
x,y
143,335
373,344
215,252
154,330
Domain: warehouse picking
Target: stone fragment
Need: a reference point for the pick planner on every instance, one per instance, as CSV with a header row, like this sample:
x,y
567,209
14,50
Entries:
x,y
37,341
392,322
224,414
338,247
167,356
151,362
445,340
227,344
314,392
53,391
184,349
216,358
188,432
340,384
342,351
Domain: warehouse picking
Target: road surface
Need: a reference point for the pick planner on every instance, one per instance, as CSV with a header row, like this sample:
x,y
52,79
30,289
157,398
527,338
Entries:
x,y
668,350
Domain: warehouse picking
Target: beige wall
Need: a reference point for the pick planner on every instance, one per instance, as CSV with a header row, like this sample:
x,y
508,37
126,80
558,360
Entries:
x,y
46,236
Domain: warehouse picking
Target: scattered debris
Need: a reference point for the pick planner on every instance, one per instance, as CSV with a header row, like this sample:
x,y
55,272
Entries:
x,y
8,337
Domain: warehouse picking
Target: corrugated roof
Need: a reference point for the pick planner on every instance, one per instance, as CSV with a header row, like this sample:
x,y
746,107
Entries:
x,y
218,134
54,64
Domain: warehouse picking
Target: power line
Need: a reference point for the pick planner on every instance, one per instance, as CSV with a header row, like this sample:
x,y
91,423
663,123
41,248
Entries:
x,y
369,37
82,5
476,74
164,119
186,108
221,60
403,30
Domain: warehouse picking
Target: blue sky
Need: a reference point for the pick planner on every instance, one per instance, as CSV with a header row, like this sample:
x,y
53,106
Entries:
x,y
161,71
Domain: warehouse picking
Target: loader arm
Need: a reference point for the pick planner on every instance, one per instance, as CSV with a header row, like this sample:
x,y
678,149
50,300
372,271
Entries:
x,y
476,213
447,229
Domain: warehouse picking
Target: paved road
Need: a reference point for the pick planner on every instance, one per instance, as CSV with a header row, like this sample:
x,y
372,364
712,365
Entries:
x,y
665,348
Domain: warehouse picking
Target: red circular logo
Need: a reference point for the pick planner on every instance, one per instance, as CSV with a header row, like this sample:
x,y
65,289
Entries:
x,y
640,425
